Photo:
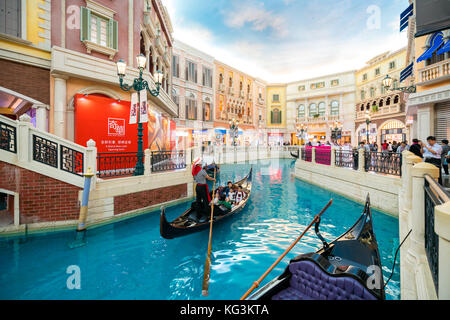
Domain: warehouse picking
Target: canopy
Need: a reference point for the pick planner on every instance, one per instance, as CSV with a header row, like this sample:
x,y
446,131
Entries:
x,y
435,43
445,48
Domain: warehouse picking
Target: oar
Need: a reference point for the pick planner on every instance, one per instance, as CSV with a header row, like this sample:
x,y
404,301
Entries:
x,y
208,255
256,283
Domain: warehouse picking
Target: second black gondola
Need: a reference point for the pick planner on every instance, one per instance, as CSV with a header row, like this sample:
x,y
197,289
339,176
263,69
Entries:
x,y
349,268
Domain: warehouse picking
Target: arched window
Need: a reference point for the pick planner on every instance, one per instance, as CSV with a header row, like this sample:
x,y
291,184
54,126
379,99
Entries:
x,y
151,65
312,109
276,116
381,103
221,78
388,101
368,106
435,58
334,108
362,107
396,99
230,82
191,107
301,111
322,109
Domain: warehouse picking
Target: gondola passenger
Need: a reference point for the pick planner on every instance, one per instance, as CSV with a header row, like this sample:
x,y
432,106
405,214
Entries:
x,y
240,195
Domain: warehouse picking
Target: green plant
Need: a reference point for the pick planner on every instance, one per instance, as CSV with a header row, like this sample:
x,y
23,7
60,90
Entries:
x,y
375,108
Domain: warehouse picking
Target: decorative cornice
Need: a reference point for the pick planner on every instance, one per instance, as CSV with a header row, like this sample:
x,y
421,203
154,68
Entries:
x,y
100,9
429,96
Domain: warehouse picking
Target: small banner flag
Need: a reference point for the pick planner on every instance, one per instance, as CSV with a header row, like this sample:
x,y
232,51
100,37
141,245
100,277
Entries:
x,y
133,108
404,17
406,72
143,110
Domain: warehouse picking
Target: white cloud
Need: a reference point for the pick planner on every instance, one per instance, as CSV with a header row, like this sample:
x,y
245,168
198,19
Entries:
x,y
257,16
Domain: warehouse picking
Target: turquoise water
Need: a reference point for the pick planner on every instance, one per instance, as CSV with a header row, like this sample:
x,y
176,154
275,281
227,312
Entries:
x,y
130,260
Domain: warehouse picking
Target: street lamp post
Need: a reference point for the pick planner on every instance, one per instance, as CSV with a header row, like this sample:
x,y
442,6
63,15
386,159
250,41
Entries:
x,y
368,120
387,83
138,85
335,132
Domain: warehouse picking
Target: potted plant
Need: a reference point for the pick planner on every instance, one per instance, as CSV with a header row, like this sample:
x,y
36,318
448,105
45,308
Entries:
x,y
375,108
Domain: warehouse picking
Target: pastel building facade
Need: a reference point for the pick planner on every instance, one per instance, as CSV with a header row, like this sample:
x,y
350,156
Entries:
x,y
234,100
320,104
88,37
25,60
193,93
386,108
276,114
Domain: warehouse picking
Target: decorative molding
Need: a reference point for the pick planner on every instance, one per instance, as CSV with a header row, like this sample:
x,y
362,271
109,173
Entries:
x,y
92,46
429,96
100,9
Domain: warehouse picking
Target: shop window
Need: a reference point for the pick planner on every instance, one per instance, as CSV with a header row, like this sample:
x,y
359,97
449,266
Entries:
x,y
322,109
312,109
11,17
301,111
98,32
334,108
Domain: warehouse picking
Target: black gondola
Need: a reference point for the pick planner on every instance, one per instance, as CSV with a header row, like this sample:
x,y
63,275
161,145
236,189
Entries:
x,y
349,268
295,155
210,170
187,223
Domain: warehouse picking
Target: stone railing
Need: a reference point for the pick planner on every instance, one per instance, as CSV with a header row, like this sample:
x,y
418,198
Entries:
x,y
39,151
435,71
392,108
424,210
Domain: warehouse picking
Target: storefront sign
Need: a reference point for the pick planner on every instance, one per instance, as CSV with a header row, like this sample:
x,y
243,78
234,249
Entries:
x,y
106,121
143,112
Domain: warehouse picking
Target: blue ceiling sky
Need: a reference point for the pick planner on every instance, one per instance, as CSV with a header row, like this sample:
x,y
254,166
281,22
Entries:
x,y
288,40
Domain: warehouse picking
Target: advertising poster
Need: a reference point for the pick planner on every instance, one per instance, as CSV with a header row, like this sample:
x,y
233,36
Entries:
x,y
134,108
143,110
161,132
106,121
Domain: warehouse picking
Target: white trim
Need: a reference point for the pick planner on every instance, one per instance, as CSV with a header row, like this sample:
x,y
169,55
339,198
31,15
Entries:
x,y
16,205
92,46
24,58
23,27
100,9
20,96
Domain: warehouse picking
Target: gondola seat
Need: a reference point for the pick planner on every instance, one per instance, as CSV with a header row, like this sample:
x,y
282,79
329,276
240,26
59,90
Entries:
x,y
310,282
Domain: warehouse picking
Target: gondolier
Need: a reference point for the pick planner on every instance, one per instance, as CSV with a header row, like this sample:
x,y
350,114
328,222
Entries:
x,y
201,189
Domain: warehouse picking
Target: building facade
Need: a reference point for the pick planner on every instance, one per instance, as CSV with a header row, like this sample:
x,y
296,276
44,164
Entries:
x,y
25,59
234,100
318,106
385,108
88,38
193,93
276,114
428,109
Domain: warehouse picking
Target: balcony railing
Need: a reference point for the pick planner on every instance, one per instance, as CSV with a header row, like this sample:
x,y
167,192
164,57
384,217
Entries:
x,y
435,71
434,195
347,159
8,137
383,162
393,108
116,164
168,160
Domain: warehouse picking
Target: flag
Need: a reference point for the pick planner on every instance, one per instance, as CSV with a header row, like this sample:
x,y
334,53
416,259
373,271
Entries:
x,y
406,72
143,110
133,108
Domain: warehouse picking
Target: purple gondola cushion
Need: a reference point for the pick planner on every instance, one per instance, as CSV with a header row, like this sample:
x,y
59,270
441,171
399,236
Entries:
x,y
310,282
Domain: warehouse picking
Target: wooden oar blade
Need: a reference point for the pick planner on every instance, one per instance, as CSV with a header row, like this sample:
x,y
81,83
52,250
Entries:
x,y
206,277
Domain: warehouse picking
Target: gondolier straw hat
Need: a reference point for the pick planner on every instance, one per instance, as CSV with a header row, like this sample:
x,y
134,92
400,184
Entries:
x,y
197,161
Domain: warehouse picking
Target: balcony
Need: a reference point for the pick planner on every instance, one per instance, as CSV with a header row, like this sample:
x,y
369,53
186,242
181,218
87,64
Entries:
x,y
231,91
241,94
148,23
221,87
393,108
166,58
249,97
435,73
260,100
159,45
317,119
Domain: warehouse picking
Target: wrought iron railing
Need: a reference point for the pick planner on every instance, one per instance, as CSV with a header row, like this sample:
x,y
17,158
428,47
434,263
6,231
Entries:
x,y
323,156
45,151
168,160
116,164
347,159
383,162
71,160
434,195
8,138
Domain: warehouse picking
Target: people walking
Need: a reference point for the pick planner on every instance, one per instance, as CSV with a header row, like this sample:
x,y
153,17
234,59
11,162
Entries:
x,y
432,154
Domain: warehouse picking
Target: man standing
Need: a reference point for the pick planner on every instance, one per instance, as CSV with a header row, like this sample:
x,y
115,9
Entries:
x,y
416,148
432,154
202,191
445,150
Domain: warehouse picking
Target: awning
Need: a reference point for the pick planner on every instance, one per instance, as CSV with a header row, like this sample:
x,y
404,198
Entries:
x,y
221,131
435,43
404,17
445,48
406,72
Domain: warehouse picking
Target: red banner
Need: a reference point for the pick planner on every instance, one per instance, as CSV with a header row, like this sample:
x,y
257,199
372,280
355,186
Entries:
x,y
106,121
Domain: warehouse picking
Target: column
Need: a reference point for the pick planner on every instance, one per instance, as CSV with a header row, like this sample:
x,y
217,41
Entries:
x,y
333,157
60,106
41,116
23,138
91,161
361,160
147,162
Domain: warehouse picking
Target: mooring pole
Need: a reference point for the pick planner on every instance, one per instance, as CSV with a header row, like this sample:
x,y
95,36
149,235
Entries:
x,y
84,202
